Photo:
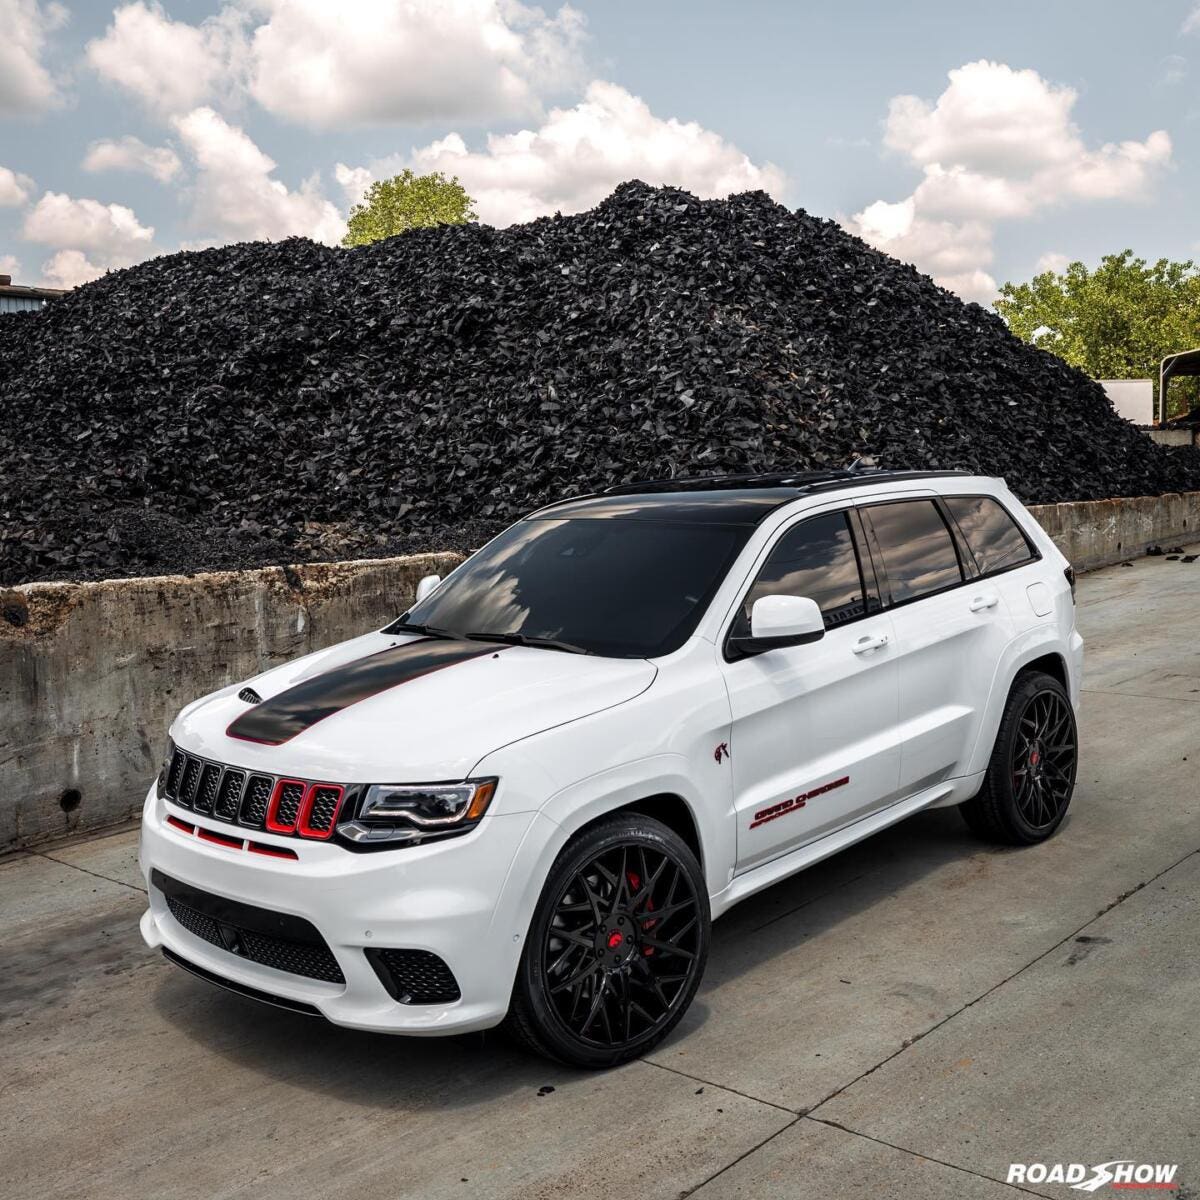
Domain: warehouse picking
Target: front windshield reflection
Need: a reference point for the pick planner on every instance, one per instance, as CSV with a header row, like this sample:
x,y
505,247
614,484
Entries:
x,y
613,586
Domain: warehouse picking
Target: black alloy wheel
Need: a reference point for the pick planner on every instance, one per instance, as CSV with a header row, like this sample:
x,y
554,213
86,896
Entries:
x,y
1043,759
617,945
1031,776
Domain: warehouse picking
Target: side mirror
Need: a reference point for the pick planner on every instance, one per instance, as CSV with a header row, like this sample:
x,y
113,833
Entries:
x,y
779,621
430,583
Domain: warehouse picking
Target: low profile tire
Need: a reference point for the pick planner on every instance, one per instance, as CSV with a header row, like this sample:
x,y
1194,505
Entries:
x,y
617,945
1031,775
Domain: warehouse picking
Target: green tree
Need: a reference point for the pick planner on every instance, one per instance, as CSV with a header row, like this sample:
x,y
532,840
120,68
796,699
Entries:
x,y
408,201
1116,322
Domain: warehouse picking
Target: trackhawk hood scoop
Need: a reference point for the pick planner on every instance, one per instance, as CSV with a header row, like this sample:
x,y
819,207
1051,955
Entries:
x,y
383,708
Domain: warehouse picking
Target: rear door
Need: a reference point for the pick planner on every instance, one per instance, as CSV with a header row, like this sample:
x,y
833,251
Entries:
x,y
1002,553
951,628
814,741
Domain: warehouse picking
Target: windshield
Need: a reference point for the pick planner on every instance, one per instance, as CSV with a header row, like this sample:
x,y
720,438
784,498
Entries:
x,y
619,588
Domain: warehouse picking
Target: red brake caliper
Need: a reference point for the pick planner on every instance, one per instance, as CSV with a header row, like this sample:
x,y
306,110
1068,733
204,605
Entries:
x,y
635,882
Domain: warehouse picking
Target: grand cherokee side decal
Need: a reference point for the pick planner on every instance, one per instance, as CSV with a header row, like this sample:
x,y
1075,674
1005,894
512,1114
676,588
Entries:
x,y
795,803
282,717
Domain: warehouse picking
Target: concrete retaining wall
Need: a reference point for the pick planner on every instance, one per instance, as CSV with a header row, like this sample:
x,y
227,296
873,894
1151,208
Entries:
x,y
1096,533
92,673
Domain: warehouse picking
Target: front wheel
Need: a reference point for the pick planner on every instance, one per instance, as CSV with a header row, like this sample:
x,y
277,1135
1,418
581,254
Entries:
x,y
616,947
1031,775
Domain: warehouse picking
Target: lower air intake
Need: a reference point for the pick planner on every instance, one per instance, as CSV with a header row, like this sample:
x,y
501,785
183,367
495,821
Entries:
x,y
415,976
277,940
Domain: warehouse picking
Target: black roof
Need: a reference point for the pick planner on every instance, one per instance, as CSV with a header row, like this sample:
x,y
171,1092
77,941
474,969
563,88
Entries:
x,y
719,499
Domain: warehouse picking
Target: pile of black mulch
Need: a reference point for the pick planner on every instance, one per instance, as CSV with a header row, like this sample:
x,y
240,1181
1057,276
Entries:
x,y
283,402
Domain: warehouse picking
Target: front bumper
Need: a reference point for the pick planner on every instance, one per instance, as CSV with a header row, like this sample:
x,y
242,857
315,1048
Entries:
x,y
452,898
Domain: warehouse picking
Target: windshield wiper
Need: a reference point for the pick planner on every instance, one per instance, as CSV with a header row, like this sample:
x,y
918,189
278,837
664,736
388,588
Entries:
x,y
427,630
525,639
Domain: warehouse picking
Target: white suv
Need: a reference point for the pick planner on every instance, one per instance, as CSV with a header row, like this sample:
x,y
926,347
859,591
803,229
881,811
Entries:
x,y
528,797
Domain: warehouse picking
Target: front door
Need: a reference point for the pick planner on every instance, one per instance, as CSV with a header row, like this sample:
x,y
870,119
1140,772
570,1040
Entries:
x,y
814,733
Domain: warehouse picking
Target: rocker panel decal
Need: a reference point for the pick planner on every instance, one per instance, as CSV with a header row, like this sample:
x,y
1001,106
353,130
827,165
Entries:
x,y
795,803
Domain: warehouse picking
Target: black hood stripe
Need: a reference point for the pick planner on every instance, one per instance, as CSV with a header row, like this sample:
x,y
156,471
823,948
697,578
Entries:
x,y
282,717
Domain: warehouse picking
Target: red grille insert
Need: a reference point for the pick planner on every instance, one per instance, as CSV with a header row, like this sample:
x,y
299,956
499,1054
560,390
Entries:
x,y
318,816
284,809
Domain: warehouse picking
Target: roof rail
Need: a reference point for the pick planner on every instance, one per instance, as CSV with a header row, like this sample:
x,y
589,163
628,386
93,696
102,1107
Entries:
x,y
802,481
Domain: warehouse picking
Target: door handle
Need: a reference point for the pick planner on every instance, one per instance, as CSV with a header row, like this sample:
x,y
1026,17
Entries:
x,y
872,642
982,602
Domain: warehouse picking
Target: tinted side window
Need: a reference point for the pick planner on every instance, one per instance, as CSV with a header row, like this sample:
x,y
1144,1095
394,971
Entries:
x,y
917,548
995,539
816,559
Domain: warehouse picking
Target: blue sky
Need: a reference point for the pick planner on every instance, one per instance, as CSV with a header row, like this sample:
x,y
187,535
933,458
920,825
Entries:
x,y
1069,128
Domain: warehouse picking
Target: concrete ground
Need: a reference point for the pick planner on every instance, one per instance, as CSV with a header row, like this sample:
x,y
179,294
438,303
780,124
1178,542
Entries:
x,y
906,1019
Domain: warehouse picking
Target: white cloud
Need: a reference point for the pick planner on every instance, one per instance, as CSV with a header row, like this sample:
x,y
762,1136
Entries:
x,y
10,266
328,65
998,144
89,237
132,154
15,188
1192,22
170,66
70,268
1052,260
578,155
353,181
112,229
234,194
323,64
25,84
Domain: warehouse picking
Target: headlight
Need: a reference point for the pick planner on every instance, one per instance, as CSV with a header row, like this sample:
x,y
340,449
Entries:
x,y
405,812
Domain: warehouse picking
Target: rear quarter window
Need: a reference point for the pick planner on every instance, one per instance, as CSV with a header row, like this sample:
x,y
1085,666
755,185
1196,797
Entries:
x,y
996,541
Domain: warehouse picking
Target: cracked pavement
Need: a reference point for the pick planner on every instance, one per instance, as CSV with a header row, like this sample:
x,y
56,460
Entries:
x,y
905,1019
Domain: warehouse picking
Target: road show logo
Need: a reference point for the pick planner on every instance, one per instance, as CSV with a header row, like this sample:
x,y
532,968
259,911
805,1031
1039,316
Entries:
x,y
1120,1173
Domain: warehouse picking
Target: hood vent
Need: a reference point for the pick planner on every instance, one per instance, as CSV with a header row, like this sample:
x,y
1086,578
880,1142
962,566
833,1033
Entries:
x,y
250,696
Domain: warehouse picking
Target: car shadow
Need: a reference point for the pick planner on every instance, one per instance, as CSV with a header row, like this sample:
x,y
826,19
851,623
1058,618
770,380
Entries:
x,y
790,913
382,1071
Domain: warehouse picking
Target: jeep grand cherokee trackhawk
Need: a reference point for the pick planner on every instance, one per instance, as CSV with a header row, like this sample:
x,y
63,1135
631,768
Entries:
x,y
526,799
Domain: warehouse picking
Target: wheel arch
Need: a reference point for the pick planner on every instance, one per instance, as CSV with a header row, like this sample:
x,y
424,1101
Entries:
x,y
1044,656
668,807
1053,664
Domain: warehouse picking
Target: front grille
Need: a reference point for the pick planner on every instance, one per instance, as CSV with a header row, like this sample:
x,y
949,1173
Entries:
x,y
191,779
415,976
290,795
229,795
206,790
324,808
243,797
277,940
255,800
175,773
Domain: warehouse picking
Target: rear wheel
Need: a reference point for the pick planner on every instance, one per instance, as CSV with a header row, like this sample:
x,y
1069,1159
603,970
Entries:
x,y
616,947
1031,775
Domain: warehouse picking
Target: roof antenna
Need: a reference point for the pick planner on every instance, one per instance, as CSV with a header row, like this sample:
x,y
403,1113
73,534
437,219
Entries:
x,y
860,463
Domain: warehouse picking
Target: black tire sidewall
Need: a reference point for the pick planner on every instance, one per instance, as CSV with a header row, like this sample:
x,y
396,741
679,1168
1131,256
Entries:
x,y
555,1038
1001,781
